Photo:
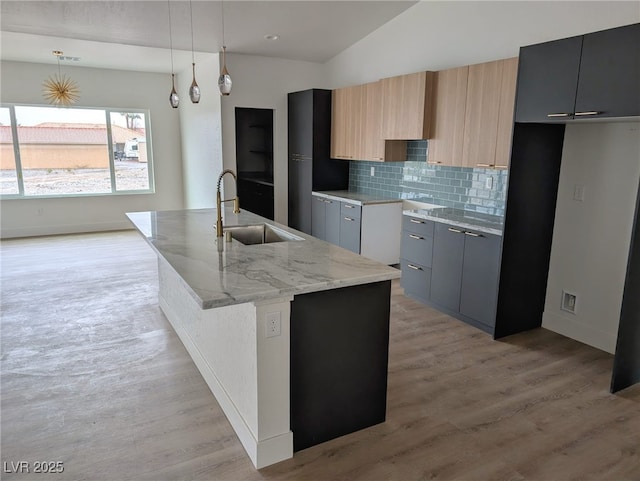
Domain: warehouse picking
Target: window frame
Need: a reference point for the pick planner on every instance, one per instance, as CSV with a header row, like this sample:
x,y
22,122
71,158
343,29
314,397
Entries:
x,y
108,111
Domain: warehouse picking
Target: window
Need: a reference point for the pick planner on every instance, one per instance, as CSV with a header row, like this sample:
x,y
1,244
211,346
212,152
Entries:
x,y
53,151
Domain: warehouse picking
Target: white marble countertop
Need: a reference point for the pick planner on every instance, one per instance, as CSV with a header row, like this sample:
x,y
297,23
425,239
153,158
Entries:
x,y
355,197
489,224
245,273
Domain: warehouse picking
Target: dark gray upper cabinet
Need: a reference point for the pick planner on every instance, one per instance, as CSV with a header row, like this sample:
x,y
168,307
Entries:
x,y
480,273
609,82
547,80
446,266
589,76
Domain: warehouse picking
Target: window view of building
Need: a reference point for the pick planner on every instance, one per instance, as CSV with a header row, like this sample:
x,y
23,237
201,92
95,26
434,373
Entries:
x,y
8,173
73,151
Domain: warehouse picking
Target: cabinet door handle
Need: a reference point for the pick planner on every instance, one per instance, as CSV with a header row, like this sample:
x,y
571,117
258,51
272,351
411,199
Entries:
x,y
348,219
416,221
590,112
472,234
485,165
434,162
415,268
457,231
416,237
563,114
328,202
349,206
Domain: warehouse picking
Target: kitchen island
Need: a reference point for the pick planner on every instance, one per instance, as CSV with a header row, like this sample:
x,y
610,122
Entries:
x,y
291,337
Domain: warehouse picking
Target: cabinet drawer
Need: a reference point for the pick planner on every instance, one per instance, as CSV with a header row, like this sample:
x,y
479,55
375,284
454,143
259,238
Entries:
x,y
352,211
415,280
416,248
350,233
416,225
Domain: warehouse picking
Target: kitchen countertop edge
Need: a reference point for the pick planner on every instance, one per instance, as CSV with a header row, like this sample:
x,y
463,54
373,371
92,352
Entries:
x,y
250,273
480,227
354,197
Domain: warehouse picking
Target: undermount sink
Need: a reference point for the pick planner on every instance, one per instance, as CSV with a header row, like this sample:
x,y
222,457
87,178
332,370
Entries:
x,y
260,234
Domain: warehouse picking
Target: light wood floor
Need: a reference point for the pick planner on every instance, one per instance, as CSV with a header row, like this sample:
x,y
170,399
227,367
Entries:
x,y
94,377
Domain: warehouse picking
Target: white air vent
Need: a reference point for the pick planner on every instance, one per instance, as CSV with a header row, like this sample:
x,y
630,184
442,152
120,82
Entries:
x,y
70,59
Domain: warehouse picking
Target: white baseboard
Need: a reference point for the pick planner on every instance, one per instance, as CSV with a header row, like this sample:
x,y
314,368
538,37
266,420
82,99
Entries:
x,y
574,329
34,231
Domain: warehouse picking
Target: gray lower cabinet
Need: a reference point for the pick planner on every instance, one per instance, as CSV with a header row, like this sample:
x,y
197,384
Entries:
x,y
480,276
416,247
446,271
332,221
350,223
452,268
318,217
325,219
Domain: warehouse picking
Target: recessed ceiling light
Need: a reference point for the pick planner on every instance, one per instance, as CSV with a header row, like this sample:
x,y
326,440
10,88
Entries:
x,y
271,37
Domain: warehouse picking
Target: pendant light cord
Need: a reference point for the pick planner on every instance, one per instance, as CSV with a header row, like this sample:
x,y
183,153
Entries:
x,y
170,36
191,13
222,16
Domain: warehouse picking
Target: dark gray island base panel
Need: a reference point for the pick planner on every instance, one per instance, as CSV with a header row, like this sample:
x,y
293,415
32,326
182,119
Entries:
x,y
534,173
339,357
626,364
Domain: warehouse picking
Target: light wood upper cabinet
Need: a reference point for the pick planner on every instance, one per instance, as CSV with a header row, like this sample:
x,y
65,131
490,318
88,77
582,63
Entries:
x,y
505,114
489,114
449,100
373,146
406,106
346,128
356,119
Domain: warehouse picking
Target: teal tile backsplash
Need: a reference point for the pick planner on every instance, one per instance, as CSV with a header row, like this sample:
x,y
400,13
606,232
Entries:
x,y
459,187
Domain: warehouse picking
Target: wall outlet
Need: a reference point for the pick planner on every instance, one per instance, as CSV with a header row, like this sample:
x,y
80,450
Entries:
x,y
488,183
272,324
568,302
578,192
40,211
373,171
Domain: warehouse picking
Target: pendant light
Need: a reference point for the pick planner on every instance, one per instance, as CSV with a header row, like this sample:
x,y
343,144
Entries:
x,y
194,90
224,81
174,100
58,89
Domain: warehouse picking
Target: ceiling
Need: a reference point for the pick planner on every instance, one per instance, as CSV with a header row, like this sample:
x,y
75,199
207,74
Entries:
x,y
313,31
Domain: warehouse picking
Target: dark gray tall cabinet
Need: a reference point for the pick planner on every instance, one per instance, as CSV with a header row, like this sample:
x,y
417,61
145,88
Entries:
x,y
310,168
590,76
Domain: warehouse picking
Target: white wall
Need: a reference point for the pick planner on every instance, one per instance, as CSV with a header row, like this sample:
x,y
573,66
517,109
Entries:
x,y
201,132
478,31
22,83
591,238
262,82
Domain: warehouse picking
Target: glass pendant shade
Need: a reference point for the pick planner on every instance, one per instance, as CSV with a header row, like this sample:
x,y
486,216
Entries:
x,y
224,81
174,100
194,90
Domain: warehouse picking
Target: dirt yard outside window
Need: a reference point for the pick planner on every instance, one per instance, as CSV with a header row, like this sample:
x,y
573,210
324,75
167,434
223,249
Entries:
x,y
130,175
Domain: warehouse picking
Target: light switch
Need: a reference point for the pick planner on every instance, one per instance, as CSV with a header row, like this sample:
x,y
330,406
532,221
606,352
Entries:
x,y
578,192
